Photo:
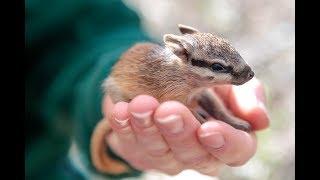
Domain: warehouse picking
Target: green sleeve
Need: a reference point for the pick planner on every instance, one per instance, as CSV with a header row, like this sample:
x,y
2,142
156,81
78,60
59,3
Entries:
x,y
71,46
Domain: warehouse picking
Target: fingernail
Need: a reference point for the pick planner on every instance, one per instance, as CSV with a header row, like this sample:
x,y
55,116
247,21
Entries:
x,y
142,119
213,139
172,123
121,122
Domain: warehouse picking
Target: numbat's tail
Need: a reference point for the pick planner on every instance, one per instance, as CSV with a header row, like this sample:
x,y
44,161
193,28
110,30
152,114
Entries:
x,y
100,159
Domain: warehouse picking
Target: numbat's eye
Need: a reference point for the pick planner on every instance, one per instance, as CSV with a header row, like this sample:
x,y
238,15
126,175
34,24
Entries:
x,y
218,67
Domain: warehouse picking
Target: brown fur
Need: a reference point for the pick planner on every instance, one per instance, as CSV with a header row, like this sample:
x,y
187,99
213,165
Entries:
x,y
146,73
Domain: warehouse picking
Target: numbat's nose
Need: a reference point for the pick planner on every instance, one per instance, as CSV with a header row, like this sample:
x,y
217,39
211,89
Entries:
x,y
250,75
247,74
244,77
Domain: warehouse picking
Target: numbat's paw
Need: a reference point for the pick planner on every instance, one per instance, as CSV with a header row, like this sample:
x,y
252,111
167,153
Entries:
x,y
205,104
238,123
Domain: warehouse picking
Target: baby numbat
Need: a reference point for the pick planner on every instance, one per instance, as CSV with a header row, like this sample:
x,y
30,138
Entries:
x,y
185,70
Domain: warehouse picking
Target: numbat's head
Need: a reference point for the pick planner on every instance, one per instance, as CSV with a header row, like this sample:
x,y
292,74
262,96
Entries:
x,y
209,58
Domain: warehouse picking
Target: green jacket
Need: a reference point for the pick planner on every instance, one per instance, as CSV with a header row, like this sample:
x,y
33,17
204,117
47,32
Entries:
x,y
70,46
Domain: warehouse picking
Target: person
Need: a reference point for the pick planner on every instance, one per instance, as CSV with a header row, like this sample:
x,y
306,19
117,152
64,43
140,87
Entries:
x,y
71,47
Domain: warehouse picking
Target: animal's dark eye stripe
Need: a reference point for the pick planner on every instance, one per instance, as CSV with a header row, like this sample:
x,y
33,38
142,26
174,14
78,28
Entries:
x,y
199,63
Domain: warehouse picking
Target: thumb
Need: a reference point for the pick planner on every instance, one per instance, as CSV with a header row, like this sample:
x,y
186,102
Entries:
x,y
248,102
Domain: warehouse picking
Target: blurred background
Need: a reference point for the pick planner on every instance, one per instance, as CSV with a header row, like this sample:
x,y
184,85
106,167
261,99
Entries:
x,y
264,33
67,43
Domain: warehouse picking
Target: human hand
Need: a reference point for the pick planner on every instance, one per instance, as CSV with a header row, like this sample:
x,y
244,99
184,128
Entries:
x,y
168,138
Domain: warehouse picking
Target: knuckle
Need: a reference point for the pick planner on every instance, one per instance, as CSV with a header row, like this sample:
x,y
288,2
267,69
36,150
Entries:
x,y
125,131
209,167
202,163
158,152
192,161
149,131
158,149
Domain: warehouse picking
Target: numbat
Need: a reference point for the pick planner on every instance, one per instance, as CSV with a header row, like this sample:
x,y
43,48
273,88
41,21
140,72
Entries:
x,y
185,70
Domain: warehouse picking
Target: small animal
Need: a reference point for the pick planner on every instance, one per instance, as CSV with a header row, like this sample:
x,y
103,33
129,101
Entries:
x,y
184,69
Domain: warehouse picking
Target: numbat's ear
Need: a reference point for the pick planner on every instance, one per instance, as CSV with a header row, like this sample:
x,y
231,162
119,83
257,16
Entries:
x,y
177,44
173,42
187,29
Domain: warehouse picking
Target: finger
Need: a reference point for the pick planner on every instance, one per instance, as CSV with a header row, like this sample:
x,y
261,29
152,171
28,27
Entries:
x,y
178,126
107,106
117,147
231,146
127,145
119,120
118,116
120,124
148,136
247,102
224,93
122,141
